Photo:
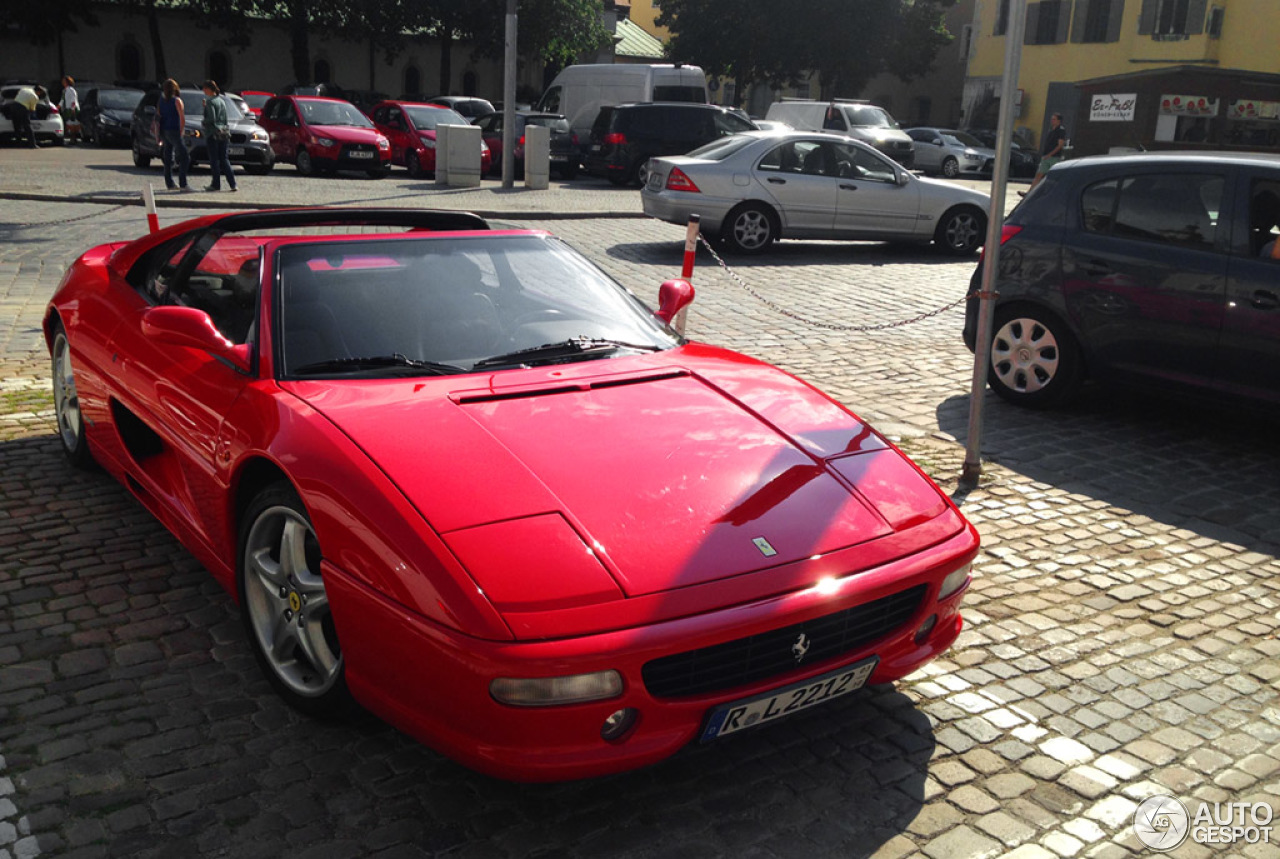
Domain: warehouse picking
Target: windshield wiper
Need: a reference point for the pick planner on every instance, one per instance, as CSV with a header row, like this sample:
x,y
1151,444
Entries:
x,y
570,349
394,361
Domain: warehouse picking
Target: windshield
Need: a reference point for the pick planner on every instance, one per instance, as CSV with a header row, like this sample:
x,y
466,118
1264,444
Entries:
x,y
718,150
332,113
427,118
255,99
388,306
871,116
963,139
119,99
193,104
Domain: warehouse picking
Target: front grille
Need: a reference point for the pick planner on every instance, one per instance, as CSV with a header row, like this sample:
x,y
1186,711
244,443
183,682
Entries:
x,y
767,654
239,137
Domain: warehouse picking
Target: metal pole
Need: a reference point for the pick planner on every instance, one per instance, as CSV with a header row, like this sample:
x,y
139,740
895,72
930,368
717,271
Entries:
x,y
991,248
509,101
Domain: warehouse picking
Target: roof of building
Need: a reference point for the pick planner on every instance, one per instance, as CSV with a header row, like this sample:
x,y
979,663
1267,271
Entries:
x,y
636,41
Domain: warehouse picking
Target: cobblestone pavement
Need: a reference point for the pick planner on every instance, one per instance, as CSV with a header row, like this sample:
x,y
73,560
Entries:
x,y
1121,639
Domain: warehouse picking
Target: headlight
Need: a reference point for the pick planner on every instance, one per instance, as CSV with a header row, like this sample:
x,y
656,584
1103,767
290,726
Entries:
x,y
955,581
383,143
325,141
428,143
551,691
259,134
191,132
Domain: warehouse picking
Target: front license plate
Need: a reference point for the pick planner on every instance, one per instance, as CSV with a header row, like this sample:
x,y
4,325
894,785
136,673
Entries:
x,y
361,154
236,150
734,717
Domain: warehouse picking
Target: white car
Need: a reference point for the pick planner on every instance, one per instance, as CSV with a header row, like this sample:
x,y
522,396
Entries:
x,y
950,152
49,129
756,187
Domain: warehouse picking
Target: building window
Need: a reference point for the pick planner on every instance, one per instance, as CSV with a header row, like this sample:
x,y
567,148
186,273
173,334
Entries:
x,y
1171,19
412,81
220,68
1046,22
1002,19
1215,22
322,72
1097,15
469,83
129,62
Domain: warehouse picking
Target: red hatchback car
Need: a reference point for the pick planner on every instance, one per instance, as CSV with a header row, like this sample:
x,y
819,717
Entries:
x,y
411,128
464,478
321,135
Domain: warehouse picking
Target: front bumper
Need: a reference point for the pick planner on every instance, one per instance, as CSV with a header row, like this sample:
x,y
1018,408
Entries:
x,y
433,682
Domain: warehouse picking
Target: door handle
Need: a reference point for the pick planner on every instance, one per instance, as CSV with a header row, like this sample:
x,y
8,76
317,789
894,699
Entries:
x,y
844,187
1264,299
775,181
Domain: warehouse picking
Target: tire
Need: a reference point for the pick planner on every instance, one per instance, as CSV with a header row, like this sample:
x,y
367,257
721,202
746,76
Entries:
x,y
139,159
961,231
66,402
1035,361
950,167
750,228
97,137
413,161
304,163
284,605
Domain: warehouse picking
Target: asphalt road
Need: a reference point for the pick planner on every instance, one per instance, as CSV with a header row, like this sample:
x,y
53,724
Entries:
x,y
1121,641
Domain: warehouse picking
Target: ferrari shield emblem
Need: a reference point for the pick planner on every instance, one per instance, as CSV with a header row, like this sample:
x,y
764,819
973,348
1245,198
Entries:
x,y
765,549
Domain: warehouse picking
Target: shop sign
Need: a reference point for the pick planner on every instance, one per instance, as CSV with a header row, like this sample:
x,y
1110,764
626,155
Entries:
x,y
1110,107
1252,108
1188,105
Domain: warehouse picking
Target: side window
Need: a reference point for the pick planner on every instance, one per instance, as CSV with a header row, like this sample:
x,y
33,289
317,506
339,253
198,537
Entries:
x,y
1264,218
727,123
1098,206
550,101
833,120
1180,209
786,158
224,283
380,116
869,165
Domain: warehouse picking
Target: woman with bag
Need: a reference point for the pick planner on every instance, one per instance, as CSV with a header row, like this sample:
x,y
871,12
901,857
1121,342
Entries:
x,y
217,133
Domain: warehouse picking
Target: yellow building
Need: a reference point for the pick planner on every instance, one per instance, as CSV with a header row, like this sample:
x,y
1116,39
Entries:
x,y
1069,41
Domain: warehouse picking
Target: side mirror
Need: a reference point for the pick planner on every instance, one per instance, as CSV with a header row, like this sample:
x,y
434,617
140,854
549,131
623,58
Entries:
x,y
673,296
902,175
193,329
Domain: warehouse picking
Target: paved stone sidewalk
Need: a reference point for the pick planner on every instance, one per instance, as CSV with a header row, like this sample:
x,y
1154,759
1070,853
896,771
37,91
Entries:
x,y
1122,641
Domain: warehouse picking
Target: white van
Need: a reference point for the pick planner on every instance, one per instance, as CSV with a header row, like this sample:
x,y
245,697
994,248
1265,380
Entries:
x,y
860,120
579,92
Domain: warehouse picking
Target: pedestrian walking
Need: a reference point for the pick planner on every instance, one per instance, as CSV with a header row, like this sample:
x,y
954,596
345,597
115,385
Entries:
x,y
70,109
217,135
23,105
171,120
1051,152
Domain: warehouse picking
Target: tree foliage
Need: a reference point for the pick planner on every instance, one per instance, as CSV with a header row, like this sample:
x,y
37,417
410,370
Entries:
x,y
846,42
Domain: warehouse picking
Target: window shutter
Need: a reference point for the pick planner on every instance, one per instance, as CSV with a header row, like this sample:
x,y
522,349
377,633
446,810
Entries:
x,y
1082,15
1113,25
1195,17
1032,24
1147,19
1064,21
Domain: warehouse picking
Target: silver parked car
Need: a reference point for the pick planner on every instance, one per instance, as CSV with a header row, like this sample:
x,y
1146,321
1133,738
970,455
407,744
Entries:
x,y
950,152
756,187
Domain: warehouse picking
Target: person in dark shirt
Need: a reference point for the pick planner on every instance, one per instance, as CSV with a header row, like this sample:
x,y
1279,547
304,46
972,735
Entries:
x,y
1051,152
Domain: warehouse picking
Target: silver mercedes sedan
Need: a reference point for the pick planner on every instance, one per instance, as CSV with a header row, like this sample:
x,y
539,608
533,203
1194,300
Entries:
x,y
754,188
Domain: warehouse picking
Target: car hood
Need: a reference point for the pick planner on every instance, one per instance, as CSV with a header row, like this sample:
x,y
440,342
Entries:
x,y
117,115
672,475
347,133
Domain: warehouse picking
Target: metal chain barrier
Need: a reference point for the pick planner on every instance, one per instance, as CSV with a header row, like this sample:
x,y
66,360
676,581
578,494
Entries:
x,y
67,220
829,326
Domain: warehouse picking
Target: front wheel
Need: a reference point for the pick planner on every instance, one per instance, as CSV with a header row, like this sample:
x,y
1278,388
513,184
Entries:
x,y
413,161
961,232
749,228
284,604
1034,358
66,403
139,158
304,163
950,167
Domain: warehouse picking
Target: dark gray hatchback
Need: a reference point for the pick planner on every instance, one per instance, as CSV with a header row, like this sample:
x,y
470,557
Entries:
x,y
624,137
1154,269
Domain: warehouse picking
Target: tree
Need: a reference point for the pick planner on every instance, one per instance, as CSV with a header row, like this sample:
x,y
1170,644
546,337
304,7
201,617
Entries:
x,y
44,23
846,42
555,32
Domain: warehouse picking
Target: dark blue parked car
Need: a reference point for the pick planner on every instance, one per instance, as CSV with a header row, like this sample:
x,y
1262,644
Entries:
x,y
1146,268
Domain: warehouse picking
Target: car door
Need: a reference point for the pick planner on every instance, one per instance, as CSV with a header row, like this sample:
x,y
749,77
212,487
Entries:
x,y
870,202
395,126
928,149
790,176
1249,349
1144,273
172,399
280,120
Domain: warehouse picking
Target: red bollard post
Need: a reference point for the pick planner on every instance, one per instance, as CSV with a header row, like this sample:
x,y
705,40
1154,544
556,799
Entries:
x,y
149,203
686,273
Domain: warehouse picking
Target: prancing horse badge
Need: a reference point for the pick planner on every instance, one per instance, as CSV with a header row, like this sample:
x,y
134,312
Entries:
x,y
765,549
